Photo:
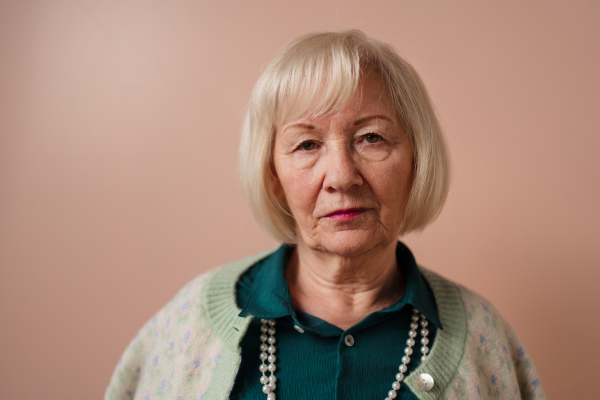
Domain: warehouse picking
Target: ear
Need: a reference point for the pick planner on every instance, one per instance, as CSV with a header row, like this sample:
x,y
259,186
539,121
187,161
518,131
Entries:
x,y
276,184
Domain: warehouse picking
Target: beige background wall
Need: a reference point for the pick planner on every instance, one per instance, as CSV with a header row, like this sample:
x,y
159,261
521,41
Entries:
x,y
119,122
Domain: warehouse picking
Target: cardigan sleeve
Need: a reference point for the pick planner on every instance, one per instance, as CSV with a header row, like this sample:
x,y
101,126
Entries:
x,y
133,363
495,364
526,374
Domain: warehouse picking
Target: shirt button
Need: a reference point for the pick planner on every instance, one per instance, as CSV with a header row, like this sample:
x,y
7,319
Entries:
x,y
424,382
349,340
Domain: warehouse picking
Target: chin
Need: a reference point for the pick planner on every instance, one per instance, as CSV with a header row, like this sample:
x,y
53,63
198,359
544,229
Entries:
x,y
350,243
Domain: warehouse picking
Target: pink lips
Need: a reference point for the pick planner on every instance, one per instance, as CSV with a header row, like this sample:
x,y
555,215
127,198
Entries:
x,y
344,215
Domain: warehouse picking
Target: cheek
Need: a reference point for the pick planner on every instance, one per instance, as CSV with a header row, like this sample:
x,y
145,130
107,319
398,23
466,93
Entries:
x,y
300,190
391,186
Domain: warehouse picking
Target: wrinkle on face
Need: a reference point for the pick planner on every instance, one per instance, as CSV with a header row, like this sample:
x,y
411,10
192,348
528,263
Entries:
x,y
343,172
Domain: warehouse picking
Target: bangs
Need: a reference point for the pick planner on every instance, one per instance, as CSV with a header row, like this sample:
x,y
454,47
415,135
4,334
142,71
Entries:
x,y
322,83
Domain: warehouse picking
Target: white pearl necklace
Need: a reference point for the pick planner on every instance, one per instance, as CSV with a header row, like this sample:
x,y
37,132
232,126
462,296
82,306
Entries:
x,y
268,349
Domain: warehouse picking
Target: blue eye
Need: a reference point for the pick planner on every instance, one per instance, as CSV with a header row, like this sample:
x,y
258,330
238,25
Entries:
x,y
372,138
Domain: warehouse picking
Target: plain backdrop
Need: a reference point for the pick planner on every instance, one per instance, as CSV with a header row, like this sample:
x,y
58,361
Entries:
x,y
119,127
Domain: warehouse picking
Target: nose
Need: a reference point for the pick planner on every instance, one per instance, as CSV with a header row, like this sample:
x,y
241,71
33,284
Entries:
x,y
341,170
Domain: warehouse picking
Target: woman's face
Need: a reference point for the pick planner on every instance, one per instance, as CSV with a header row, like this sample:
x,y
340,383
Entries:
x,y
346,177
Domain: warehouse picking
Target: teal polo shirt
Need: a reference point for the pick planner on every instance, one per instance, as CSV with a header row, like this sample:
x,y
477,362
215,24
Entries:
x,y
318,364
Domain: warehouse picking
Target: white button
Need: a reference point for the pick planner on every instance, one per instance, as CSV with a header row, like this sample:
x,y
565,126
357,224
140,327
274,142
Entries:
x,y
296,327
424,382
349,340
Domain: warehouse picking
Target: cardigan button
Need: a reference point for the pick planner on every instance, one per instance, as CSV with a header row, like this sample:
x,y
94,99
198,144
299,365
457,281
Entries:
x,y
424,382
349,340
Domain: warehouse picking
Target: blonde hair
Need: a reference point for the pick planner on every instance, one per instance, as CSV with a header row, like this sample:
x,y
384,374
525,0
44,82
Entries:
x,y
317,74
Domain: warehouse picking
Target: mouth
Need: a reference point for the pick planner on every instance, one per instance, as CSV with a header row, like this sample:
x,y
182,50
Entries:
x,y
346,214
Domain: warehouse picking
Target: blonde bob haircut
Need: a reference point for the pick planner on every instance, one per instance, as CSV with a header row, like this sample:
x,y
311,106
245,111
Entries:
x,y
316,75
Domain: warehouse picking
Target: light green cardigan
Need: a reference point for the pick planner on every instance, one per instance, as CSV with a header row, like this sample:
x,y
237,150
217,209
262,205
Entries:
x,y
190,349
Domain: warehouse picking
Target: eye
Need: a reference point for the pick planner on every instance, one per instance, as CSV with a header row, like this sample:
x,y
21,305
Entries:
x,y
307,146
372,138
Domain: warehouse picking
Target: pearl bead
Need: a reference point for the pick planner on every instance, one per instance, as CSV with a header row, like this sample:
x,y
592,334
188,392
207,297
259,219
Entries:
x,y
268,382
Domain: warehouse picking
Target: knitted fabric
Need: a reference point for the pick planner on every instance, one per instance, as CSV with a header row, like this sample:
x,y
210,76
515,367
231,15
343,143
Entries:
x,y
190,349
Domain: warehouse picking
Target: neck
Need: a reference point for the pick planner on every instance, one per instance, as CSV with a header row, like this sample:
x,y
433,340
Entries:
x,y
343,290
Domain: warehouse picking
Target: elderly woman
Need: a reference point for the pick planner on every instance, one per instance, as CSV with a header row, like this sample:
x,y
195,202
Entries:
x,y
341,154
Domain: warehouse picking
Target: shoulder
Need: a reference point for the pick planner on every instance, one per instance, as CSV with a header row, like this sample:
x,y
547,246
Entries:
x,y
199,294
477,309
482,318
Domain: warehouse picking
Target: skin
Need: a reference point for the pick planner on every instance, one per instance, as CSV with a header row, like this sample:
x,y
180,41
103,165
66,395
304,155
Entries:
x,y
346,178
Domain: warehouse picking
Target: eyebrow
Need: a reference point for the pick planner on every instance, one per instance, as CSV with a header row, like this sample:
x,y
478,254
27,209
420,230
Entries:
x,y
365,119
299,125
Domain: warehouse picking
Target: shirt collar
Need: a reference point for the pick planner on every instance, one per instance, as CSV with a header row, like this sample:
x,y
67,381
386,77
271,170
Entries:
x,y
418,293
270,295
